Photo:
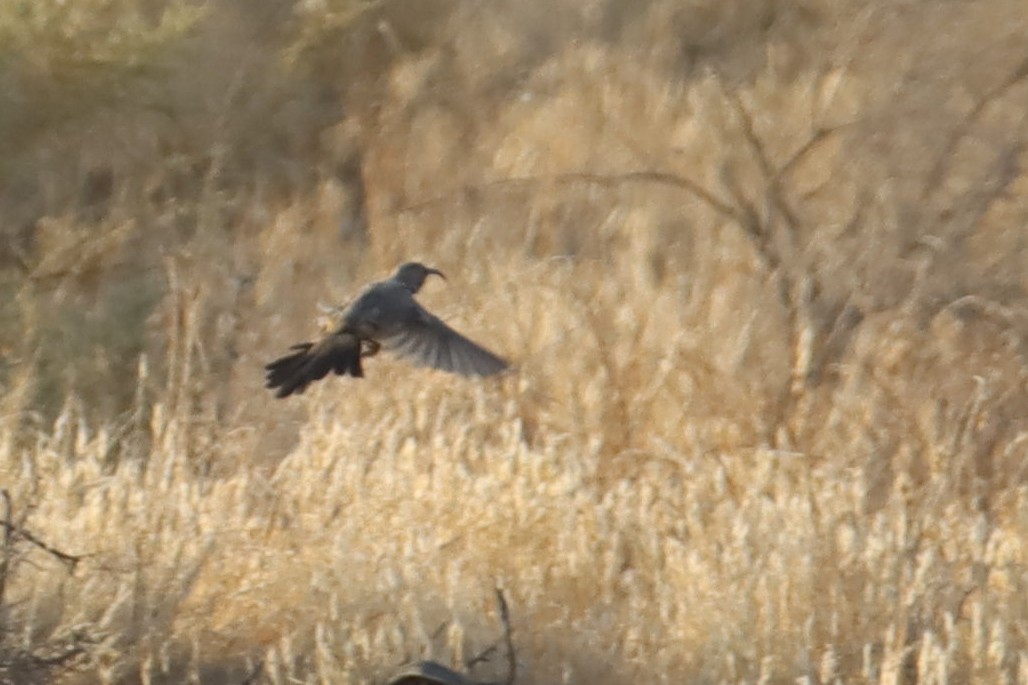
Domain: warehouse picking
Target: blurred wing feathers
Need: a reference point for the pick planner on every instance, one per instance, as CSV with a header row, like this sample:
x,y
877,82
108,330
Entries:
x,y
432,343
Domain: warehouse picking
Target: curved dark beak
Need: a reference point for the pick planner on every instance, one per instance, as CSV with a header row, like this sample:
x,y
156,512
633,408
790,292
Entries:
x,y
437,272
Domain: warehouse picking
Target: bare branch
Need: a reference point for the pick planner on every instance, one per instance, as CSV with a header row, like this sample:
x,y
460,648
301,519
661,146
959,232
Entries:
x,y
69,560
13,531
771,175
603,180
749,219
969,208
484,655
940,169
820,135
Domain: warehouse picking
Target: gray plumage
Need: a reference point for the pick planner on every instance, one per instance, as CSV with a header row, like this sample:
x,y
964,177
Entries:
x,y
385,315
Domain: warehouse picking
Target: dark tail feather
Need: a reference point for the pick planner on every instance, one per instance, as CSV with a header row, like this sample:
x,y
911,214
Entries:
x,y
348,364
310,362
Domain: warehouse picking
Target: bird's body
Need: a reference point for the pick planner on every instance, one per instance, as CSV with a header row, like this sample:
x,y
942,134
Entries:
x,y
386,315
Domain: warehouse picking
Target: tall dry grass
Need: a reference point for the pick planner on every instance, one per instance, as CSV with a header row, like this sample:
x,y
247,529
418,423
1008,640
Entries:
x,y
760,269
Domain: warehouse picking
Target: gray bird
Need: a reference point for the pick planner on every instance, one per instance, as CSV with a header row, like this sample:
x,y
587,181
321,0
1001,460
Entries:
x,y
386,315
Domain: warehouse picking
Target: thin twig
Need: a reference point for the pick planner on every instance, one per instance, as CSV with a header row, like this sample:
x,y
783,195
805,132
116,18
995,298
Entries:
x,y
512,662
10,529
481,657
941,167
62,656
5,554
820,135
484,655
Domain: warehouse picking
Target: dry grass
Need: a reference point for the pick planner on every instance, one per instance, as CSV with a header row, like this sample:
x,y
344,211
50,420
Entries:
x,y
761,269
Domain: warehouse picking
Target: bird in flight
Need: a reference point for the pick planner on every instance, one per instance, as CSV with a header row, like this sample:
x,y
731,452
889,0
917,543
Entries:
x,y
385,315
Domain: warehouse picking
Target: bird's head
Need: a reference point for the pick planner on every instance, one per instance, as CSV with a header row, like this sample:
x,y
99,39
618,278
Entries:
x,y
413,275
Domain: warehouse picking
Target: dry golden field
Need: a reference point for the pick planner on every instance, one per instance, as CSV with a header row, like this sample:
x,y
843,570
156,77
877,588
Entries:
x,y
762,266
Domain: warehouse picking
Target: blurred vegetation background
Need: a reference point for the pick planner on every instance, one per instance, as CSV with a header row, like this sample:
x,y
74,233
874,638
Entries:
x,y
140,135
717,237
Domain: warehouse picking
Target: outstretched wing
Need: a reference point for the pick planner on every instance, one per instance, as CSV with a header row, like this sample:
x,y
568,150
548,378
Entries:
x,y
425,340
